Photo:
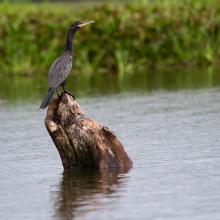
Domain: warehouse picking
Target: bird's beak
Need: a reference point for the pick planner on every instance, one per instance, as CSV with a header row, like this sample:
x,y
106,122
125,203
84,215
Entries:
x,y
83,23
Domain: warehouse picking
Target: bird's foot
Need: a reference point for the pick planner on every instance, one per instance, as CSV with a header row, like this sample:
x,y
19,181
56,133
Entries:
x,y
59,96
69,93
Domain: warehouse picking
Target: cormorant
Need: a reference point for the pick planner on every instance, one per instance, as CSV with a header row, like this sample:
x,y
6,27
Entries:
x,y
62,66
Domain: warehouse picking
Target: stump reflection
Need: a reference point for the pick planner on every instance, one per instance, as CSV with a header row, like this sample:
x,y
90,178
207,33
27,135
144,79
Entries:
x,y
82,192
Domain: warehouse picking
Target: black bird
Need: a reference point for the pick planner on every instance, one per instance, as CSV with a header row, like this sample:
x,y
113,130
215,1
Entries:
x,y
62,66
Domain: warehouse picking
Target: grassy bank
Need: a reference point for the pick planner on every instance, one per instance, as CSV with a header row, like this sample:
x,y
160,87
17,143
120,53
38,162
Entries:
x,y
125,38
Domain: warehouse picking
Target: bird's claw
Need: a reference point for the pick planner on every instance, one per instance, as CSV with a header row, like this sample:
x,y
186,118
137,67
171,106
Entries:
x,y
69,93
59,96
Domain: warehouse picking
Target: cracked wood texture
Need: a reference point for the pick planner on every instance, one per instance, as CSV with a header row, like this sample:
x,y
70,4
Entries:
x,y
81,141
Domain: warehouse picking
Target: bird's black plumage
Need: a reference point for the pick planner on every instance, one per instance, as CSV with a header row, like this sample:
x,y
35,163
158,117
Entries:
x,y
62,66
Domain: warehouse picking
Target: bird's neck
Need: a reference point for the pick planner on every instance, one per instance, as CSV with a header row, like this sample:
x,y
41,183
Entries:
x,y
69,40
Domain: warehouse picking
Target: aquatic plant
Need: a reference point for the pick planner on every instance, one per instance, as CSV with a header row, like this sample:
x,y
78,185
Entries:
x,y
126,38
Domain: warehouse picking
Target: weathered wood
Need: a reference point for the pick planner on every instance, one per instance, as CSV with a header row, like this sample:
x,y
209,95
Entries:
x,y
81,141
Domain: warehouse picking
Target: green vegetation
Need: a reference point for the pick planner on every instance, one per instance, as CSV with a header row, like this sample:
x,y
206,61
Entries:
x,y
125,38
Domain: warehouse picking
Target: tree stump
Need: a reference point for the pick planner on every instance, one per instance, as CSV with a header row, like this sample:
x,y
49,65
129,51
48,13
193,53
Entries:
x,y
81,141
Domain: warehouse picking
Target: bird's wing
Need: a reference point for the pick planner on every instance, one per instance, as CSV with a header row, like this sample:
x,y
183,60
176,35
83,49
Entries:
x,y
59,70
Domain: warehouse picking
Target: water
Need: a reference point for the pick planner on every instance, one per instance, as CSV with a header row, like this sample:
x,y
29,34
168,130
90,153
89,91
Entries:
x,y
171,134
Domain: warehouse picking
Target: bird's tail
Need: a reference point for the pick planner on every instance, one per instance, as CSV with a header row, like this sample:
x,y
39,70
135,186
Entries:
x,y
47,98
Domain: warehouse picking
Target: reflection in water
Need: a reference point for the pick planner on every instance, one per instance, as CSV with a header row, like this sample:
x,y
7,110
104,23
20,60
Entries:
x,y
23,88
81,193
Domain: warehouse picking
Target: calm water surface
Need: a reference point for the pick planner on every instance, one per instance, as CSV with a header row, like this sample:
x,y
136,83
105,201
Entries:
x,y
173,138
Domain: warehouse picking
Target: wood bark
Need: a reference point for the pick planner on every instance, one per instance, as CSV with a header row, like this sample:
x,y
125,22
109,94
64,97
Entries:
x,y
81,141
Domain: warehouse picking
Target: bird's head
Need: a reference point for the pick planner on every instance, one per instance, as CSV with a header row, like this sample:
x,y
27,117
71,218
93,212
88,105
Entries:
x,y
79,24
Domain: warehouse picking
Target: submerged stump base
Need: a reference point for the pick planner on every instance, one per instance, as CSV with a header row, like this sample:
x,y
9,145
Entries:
x,y
81,141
